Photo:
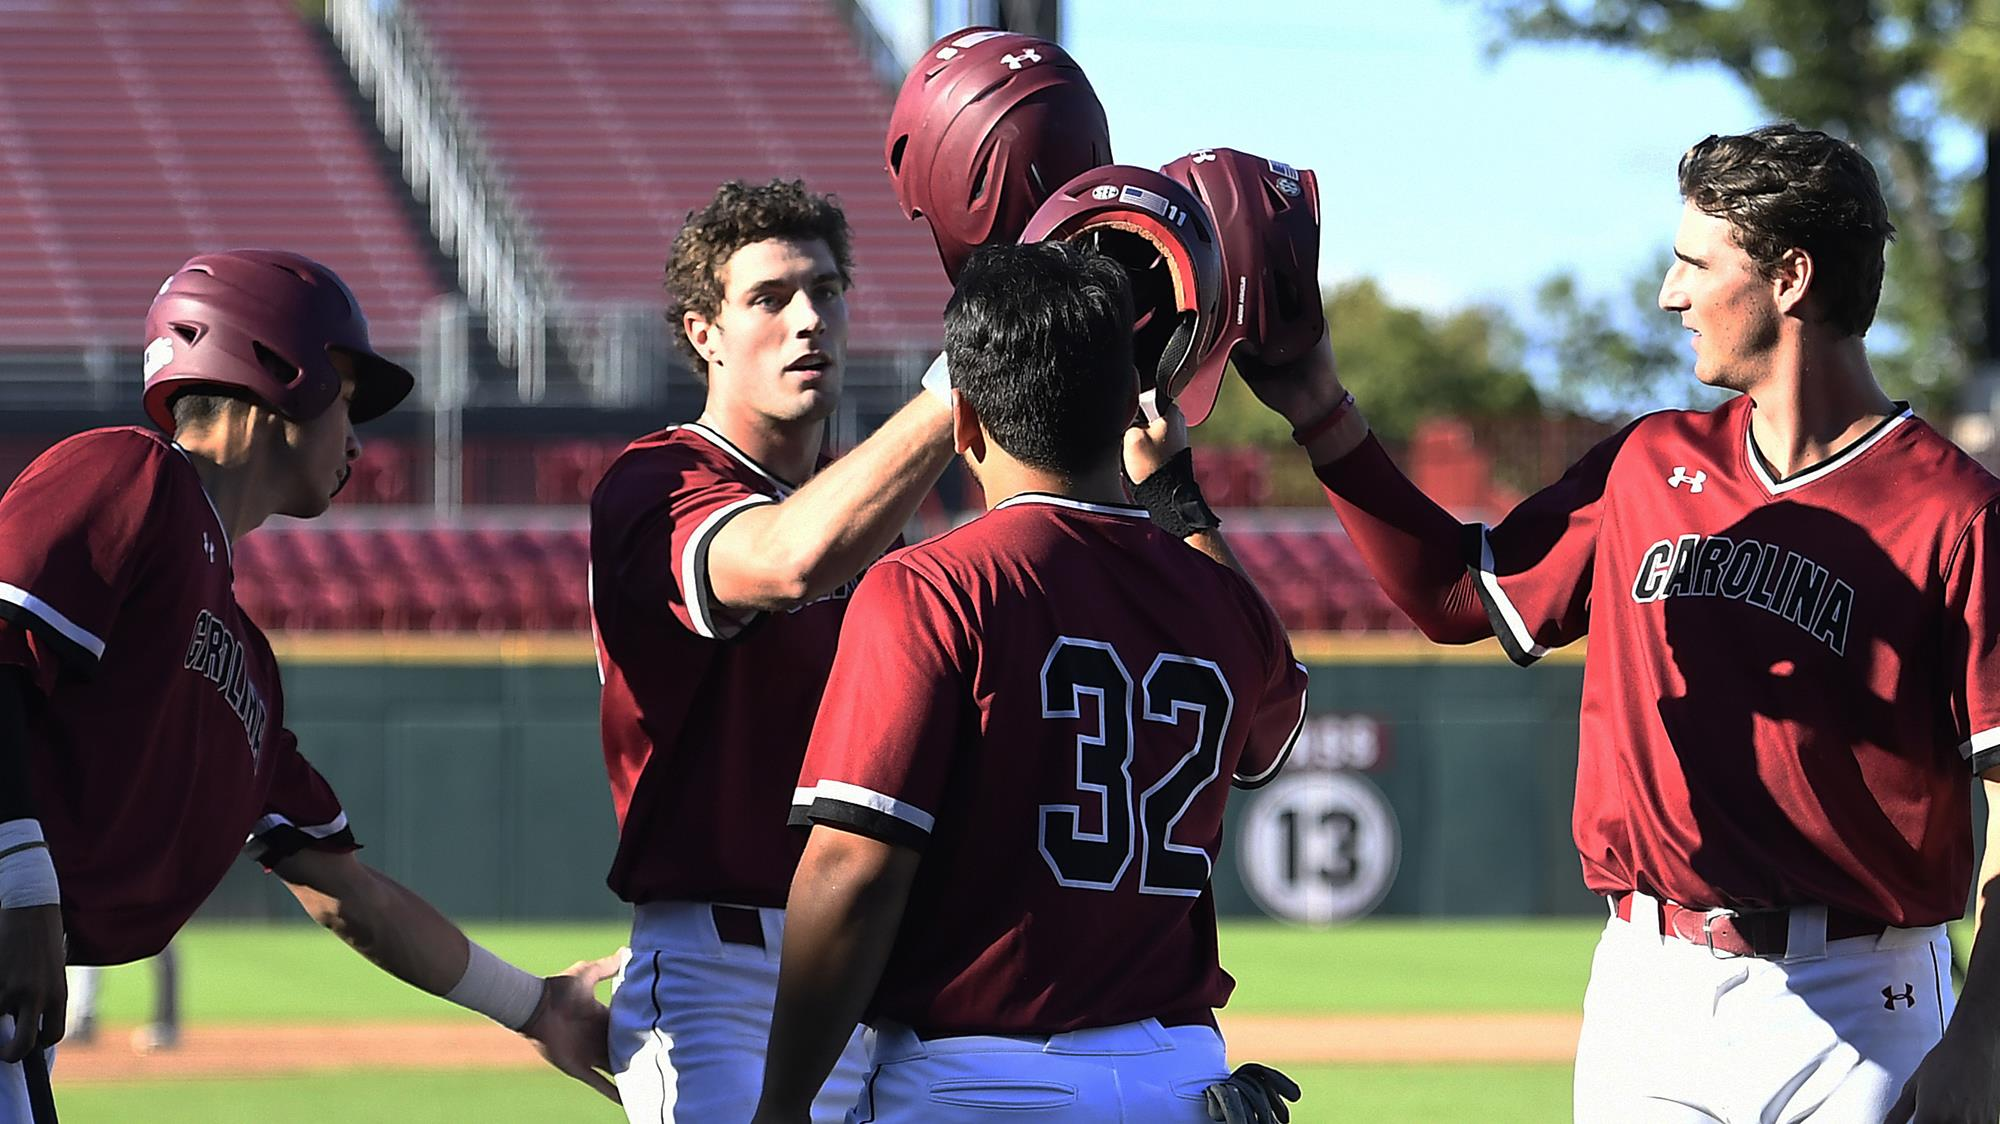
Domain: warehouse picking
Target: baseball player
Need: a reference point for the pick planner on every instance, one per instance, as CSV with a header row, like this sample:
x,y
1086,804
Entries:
x,y
720,567
1017,776
722,553
1791,671
142,718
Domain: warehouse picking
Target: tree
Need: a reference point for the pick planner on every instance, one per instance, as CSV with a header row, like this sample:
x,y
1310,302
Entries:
x,y
1876,72
1614,358
1406,365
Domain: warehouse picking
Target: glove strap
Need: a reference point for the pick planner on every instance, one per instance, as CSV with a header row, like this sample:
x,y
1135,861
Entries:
x,y
1174,500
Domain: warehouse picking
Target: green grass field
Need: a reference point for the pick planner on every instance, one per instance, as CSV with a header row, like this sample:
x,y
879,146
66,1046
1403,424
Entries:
x,y
290,973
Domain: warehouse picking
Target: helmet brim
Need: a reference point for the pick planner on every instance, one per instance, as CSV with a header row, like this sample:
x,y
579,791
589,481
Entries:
x,y
379,386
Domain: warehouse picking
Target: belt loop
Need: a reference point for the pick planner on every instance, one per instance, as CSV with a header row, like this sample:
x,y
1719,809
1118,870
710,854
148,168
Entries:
x,y
1645,913
1805,936
773,921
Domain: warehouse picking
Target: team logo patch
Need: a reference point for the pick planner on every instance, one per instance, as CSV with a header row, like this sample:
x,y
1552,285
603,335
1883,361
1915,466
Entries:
x,y
1104,193
159,353
1288,187
1693,480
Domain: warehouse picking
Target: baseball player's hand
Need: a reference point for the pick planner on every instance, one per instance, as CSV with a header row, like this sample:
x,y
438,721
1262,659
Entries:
x,y
1254,1094
1957,1082
1154,438
32,987
572,1029
1304,390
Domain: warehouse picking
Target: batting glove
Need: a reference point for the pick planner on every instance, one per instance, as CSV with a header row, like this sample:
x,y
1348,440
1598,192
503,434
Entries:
x,y
1254,1094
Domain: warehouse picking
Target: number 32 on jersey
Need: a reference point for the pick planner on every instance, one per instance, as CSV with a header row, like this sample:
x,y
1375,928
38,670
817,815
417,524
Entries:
x,y
1184,698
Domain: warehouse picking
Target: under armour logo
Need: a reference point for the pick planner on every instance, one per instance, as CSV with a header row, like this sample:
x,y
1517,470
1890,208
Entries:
x,y
1889,997
1016,62
1693,482
1205,156
208,546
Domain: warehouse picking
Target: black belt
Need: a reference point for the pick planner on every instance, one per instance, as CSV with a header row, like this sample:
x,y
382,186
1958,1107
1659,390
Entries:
x,y
738,924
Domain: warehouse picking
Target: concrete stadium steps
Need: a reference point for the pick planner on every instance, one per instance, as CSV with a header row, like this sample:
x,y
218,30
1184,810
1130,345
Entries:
x,y
133,136
610,121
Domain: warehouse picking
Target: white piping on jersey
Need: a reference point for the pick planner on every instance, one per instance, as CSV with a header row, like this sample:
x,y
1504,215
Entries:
x,y
48,614
1817,471
840,792
274,821
1285,752
1524,639
724,444
694,577
1980,742
1023,499
228,548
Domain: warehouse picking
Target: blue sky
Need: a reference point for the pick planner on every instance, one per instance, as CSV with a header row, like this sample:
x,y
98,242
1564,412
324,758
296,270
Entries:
x,y
1450,177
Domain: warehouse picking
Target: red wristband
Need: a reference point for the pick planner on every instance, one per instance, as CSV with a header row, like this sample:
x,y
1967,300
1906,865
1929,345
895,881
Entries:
x,y
1320,428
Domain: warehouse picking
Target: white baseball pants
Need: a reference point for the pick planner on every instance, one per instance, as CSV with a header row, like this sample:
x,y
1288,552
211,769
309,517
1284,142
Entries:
x,y
1676,1034
692,1014
16,1107
1133,1073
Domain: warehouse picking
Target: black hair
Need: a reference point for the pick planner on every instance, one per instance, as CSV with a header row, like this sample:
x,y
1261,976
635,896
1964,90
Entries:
x,y
1039,340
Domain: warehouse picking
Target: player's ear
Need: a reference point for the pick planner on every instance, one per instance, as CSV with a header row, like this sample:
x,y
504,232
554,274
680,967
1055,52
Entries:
x,y
966,435
1792,280
700,332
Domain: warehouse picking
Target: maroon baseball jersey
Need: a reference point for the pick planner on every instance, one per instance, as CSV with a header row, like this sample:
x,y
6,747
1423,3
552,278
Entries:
x,y
1049,703
1787,678
705,712
160,741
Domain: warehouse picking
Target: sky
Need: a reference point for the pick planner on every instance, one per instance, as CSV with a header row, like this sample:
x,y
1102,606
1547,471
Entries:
x,y
1450,177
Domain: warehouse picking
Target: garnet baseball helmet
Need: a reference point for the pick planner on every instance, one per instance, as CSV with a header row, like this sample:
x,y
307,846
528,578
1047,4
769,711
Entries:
x,y
1267,219
987,124
1159,232
262,322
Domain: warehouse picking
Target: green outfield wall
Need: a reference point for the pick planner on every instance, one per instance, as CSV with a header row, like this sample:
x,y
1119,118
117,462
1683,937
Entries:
x,y
1429,781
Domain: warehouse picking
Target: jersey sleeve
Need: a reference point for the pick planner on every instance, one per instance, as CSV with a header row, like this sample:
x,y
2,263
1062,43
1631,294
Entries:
x,y
301,813
73,533
1281,711
1534,568
663,515
1972,593
895,702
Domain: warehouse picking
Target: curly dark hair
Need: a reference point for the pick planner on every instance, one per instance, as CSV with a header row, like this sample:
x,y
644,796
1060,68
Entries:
x,y
1784,188
741,214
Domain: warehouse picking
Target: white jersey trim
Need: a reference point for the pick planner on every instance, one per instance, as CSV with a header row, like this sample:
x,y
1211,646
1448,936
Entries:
x,y
1045,499
274,821
1818,471
1980,743
1509,615
703,612
738,455
51,616
841,792
1284,753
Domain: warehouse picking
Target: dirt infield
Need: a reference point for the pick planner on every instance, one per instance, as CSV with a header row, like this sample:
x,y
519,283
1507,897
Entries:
x,y
248,1051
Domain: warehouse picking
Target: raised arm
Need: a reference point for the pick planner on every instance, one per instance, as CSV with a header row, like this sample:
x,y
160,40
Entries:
x,y
408,938
1415,549
773,557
